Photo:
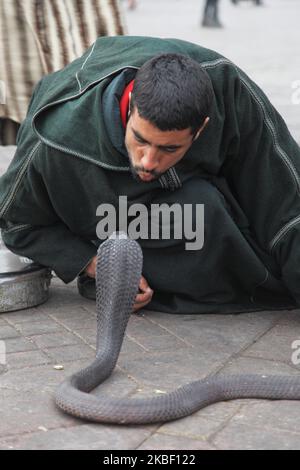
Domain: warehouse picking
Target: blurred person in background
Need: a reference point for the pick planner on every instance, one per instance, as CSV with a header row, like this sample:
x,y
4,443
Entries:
x,y
211,14
38,37
132,4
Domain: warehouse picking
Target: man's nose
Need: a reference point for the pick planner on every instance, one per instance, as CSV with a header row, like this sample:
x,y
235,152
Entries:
x,y
150,159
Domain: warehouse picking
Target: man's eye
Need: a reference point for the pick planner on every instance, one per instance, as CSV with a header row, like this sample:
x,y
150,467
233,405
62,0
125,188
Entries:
x,y
170,150
140,140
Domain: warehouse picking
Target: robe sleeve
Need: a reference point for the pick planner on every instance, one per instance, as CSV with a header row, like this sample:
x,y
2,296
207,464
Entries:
x,y
53,246
31,227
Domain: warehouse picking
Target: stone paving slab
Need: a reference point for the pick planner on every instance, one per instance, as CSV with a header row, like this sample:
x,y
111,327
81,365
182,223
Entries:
x,y
168,370
32,315
7,332
20,360
273,346
54,340
85,437
257,365
37,328
69,352
22,412
197,426
268,414
236,436
14,345
166,442
43,378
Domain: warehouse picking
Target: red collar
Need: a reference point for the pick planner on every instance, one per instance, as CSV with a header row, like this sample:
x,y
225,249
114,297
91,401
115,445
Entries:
x,y
124,102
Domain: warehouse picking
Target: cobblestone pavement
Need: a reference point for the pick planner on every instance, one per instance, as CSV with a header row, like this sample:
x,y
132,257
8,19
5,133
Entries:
x,y
163,351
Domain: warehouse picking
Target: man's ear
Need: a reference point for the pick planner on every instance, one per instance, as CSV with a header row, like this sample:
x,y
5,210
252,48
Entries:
x,y
129,101
206,121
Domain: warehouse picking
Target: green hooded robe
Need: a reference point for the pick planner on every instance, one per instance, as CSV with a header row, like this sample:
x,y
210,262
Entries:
x,y
244,168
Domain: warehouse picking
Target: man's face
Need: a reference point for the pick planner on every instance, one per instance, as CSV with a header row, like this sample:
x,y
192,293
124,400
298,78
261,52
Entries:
x,y
152,151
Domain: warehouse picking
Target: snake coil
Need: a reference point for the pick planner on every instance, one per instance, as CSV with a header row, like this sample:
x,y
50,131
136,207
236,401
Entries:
x,y
118,272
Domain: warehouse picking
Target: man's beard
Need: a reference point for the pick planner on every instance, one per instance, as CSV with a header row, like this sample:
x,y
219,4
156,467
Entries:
x,y
135,169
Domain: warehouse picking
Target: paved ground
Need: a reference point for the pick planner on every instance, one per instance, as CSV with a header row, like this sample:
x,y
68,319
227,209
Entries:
x,y
162,351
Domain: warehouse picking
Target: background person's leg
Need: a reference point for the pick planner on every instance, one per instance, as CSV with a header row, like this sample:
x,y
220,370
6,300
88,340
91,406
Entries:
x,y
210,14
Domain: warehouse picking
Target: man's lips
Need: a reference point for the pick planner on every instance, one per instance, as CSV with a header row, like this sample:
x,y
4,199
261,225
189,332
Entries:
x,y
145,176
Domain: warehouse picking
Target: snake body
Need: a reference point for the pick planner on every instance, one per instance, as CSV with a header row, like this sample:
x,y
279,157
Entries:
x,y
118,272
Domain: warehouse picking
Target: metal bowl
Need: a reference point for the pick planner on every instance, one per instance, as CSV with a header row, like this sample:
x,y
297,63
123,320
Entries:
x,y
23,283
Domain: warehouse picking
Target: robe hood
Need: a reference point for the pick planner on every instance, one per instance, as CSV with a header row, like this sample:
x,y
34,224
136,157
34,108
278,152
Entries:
x,y
69,115
61,173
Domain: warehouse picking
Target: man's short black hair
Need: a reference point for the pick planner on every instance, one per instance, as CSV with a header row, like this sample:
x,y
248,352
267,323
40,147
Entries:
x,y
173,92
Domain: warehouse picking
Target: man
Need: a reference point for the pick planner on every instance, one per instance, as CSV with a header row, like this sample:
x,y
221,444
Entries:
x,y
161,122
132,4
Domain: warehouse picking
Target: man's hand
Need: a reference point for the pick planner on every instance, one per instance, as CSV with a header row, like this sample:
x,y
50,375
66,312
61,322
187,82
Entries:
x,y
142,298
90,269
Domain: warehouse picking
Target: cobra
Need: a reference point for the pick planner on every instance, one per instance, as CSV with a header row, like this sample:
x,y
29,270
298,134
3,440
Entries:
x,y
118,272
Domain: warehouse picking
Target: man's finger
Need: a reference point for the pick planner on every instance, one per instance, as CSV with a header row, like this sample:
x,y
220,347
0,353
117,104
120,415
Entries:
x,y
138,306
143,285
144,297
